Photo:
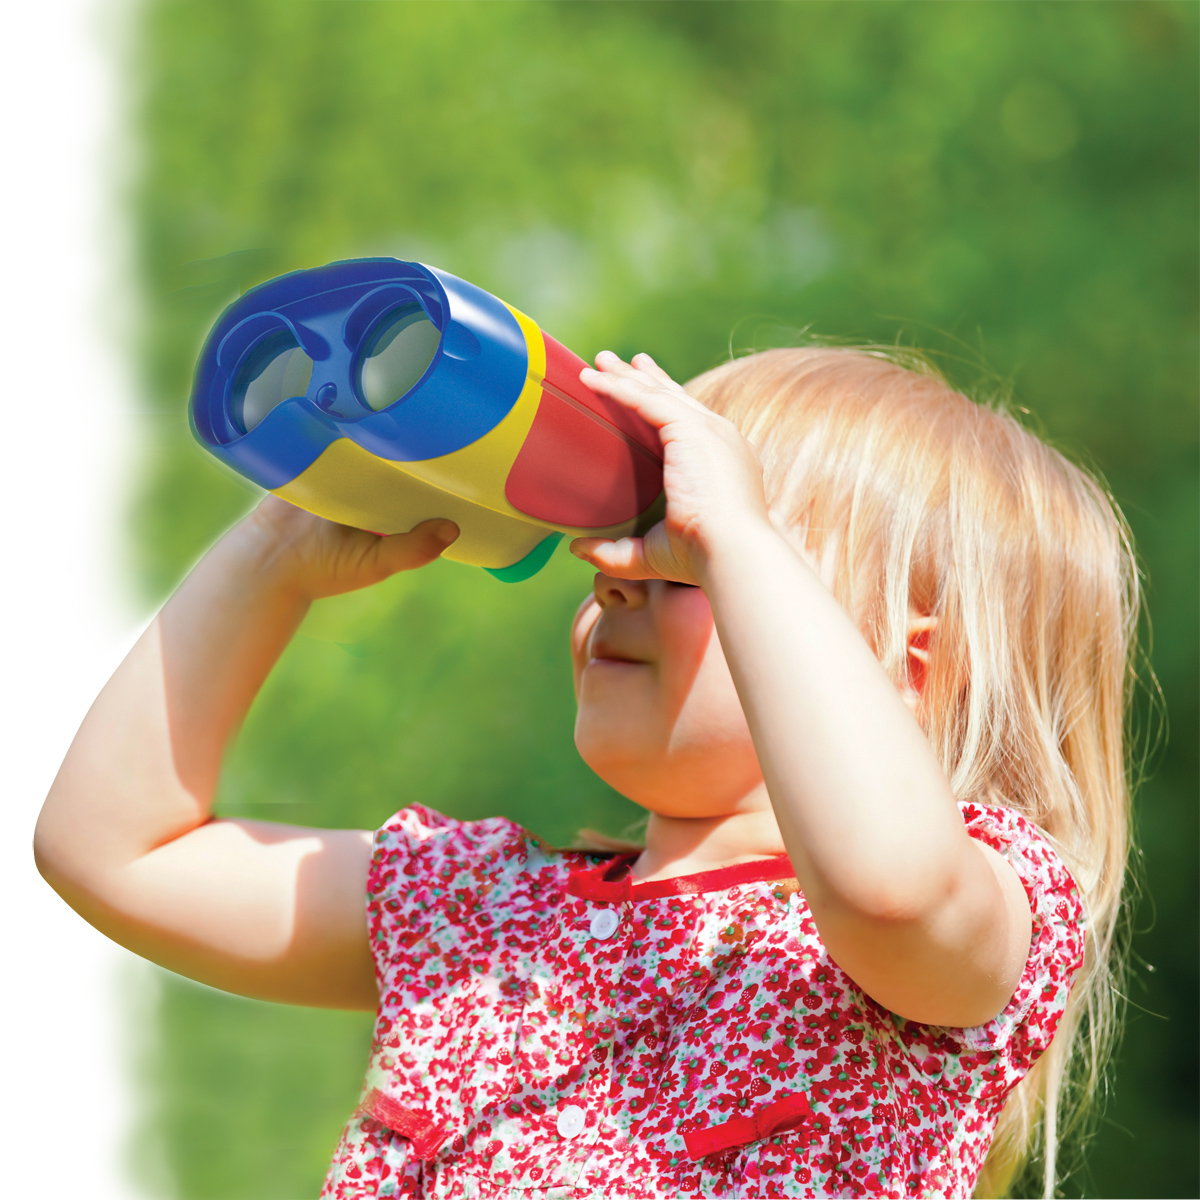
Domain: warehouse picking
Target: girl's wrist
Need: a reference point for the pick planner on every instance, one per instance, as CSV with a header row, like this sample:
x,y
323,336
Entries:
x,y
252,565
733,547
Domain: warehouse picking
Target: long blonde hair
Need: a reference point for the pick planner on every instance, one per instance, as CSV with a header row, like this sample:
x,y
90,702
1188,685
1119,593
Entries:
x,y
931,499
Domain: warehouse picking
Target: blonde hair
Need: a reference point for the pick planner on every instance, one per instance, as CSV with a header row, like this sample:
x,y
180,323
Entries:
x,y
928,498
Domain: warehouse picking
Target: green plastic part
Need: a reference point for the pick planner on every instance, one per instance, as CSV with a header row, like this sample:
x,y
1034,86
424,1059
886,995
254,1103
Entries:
x,y
530,565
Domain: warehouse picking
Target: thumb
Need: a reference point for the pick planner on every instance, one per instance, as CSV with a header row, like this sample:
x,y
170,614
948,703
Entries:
x,y
624,558
420,545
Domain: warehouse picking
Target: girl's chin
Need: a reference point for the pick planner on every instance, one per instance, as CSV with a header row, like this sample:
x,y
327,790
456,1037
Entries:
x,y
649,785
634,778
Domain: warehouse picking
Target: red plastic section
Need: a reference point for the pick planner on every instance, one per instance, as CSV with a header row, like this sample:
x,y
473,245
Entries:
x,y
576,469
562,372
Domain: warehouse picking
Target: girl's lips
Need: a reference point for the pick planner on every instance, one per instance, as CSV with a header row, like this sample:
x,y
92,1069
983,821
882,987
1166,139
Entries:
x,y
604,653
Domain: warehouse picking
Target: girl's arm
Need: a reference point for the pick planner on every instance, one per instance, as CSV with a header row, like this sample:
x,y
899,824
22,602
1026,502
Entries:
x,y
926,920
126,835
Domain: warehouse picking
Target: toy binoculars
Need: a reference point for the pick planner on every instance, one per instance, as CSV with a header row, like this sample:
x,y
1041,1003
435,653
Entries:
x,y
381,393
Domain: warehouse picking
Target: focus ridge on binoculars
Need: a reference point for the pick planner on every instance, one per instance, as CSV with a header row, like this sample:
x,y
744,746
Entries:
x,y
380,393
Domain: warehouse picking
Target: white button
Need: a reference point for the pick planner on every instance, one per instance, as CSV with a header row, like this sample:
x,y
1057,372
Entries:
x,y
570,1121
604,924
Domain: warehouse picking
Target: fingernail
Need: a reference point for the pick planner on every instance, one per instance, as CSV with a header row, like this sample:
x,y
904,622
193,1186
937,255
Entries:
x,y
446,532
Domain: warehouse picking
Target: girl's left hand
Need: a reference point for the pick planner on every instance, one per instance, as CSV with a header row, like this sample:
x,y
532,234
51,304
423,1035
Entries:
x,y
711,475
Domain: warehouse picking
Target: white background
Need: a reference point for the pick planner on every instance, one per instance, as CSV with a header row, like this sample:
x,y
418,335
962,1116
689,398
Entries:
x,y
71,999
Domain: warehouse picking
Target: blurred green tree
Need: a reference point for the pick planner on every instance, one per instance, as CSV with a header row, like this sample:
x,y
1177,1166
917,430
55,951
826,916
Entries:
x,y
1012,187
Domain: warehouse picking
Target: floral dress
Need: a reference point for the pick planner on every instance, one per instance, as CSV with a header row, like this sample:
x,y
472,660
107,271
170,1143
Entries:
x,y
549,1028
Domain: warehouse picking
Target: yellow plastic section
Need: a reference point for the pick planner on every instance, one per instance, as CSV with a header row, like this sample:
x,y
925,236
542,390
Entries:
x,y
478,472
350,485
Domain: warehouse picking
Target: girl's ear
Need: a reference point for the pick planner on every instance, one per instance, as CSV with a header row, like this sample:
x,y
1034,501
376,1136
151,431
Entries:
x,y
916,640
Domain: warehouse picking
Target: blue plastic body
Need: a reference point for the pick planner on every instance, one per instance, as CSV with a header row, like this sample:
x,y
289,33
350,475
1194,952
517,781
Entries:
x,y
476,373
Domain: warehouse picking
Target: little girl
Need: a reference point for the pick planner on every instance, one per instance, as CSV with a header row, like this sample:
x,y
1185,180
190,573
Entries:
x,y
867,678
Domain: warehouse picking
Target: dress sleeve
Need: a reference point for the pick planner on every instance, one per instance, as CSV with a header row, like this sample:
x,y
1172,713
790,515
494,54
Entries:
x,y
398,893
1026,1025
989,1060
428,870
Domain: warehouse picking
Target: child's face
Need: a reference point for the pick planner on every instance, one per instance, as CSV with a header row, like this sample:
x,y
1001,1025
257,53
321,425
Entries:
x,y
659,718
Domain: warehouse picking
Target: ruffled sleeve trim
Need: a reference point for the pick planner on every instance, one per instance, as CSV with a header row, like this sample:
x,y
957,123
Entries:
x,y
1056,940
422,868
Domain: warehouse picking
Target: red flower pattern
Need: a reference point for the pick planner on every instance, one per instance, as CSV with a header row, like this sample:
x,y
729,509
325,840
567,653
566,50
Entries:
x,y
526,1044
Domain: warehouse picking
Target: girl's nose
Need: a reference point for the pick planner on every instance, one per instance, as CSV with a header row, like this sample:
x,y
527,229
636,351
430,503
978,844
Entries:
x,y
611,592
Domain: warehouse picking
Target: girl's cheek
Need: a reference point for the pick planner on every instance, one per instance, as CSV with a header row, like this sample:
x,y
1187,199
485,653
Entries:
x,y
585,617
685,631
699,689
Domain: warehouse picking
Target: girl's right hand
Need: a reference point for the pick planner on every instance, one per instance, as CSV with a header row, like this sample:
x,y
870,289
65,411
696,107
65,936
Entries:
x,y
316,558
711,475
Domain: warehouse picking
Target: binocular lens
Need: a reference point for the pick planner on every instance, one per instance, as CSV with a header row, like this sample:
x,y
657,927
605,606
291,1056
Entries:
x,y
276,371
397,355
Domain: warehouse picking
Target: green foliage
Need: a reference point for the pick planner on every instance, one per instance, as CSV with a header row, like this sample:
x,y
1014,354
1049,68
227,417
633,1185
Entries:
x,y
1012,187
445,687
256,1093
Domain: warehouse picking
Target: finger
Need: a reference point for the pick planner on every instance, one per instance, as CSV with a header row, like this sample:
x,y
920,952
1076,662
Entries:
x,y
622,559
608,363
420,545
652,404
613,363
643,369
645,363
648,367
